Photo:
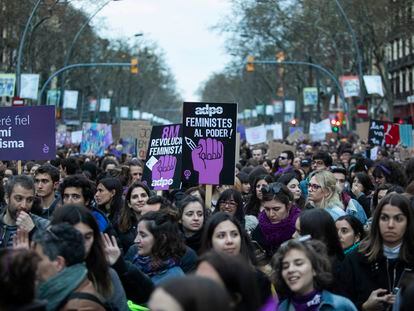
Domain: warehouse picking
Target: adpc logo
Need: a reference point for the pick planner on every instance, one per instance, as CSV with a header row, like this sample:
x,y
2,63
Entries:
x,y
207,110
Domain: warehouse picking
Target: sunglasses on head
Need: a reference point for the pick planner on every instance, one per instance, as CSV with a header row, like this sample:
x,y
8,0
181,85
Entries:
x,y
273,188
282,158
301,239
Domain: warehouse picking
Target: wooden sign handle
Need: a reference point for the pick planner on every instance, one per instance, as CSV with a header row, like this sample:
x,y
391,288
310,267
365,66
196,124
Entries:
x,y
209,194
19,167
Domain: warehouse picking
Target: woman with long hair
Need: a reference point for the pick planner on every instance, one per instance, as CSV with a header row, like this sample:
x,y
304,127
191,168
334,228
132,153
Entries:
x,y
192,217
277,220
223,233
159,247
108,196
323,193
136,198
302,274
320,226
255,204
231,201
292,181
105,280
372,274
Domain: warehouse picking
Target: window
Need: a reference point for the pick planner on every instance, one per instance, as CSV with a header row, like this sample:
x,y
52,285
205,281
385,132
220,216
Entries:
x,y
395,50
407,80
407,47
400,48
401,80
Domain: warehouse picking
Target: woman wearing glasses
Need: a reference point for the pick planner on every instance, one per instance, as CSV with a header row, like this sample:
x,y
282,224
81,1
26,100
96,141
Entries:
x,y
322,193
302,274
373,274
277,220
231,201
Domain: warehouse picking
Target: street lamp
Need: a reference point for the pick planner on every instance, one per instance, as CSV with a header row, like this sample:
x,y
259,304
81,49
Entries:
x,y
21,46
356,46
69,53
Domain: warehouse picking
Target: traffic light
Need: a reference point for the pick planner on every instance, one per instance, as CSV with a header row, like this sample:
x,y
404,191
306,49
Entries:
x,y
335,125
134,65
250,63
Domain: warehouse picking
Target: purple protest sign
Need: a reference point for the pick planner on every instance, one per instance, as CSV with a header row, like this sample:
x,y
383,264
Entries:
x,y
27,133
162,170
209,146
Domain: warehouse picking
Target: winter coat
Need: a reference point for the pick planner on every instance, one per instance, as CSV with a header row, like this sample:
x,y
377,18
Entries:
x,y
329,302
359,277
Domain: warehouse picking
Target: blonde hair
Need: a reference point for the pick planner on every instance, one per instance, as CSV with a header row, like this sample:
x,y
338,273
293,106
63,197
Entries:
x,y
327,181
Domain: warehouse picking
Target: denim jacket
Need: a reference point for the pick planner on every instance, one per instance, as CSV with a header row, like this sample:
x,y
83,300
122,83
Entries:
x,y
329,302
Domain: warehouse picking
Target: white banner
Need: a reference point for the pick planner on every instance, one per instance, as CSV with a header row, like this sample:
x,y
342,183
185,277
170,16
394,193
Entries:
x,y
290,106
105,105
124,112
136,114
373,84
70,99
76,137
256,135
318,130
277,131
29,85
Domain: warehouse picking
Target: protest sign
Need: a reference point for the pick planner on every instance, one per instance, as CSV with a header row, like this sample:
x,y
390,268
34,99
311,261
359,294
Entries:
x,y
383,133
318,131
373,85
70,99
162,169
7,81
296,135
128,128
105,105
275,149
76,137
376,132
350,85
310,96
53,97
209,131
96,137
362,130
27,133
256,135
406,134
29,85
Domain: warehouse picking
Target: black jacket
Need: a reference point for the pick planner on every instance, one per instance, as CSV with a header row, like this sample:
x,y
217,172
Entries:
x,y
359,277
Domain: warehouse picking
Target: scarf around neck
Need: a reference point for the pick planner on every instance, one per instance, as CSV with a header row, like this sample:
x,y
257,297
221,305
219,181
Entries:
x,y
152,267
276,234
391,252
56,289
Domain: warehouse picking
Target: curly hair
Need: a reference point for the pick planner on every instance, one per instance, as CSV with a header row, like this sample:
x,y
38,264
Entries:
x,y
168,242
315,251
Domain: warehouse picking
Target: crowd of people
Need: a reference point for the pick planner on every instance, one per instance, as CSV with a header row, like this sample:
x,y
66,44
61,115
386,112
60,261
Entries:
x,y
321,228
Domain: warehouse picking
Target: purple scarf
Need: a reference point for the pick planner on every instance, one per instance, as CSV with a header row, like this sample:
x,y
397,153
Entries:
x,y
276,234
309,302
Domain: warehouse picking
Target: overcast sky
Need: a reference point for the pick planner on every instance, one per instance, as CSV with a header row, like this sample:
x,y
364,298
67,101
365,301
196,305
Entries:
x,y
181,28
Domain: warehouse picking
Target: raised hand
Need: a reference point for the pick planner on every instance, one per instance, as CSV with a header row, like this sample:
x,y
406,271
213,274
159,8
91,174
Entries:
x,y
163,171
112,250
21,240
24,222
208,160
